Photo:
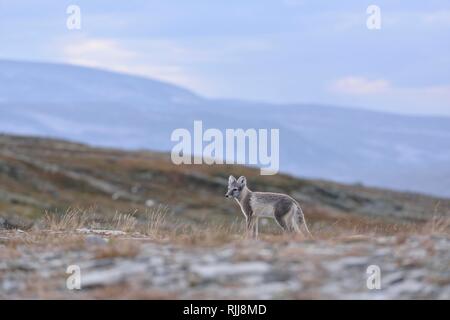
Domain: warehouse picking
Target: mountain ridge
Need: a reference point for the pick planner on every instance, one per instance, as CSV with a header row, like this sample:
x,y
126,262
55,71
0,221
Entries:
x,y
104,108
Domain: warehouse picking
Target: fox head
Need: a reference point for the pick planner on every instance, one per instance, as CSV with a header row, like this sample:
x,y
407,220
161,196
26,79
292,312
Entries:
x,y
235,187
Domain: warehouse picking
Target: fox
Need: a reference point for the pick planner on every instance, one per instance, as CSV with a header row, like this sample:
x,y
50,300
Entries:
x,y
284,209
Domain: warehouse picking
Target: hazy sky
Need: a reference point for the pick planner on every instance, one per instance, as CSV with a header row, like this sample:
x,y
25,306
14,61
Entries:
x,y
272,50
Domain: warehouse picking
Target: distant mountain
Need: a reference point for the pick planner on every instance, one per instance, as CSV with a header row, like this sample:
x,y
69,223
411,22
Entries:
x,y
110,109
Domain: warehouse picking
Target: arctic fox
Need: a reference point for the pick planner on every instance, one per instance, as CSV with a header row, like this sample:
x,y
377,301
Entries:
x,y
285,210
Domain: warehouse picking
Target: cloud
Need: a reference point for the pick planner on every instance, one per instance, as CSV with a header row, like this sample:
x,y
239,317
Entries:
x,y
96,52
382,95
112,55
189,63
355,85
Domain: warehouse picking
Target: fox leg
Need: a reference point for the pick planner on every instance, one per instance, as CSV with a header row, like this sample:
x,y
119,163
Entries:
x,y
251,225
281,222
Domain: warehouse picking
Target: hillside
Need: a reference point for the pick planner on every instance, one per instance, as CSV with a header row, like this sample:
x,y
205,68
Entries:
x,y
39,175
327,142
139,227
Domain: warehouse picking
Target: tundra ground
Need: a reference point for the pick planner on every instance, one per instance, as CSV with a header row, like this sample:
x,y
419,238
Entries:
x,y
138,226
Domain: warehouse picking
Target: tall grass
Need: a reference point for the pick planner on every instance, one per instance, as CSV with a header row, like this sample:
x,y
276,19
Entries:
x,y
155,225
124,222
72,219
156,220
436,226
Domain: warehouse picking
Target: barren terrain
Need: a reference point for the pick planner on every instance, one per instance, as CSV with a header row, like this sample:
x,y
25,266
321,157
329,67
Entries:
x,y
140,227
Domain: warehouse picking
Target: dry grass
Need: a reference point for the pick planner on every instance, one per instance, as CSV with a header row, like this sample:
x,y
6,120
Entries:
x,y
436,226
76,218
207,234
124,222
155,225
72,219
126,249
40,240
156,219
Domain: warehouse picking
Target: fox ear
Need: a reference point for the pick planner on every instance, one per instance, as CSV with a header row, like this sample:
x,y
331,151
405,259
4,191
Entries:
x,y
242,180
231,179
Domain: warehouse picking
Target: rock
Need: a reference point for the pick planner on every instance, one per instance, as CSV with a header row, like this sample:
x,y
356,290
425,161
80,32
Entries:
x,y
221,270
102,232
95,240
236,270
150,203
111,276
407,288
9,286
347,262
392,278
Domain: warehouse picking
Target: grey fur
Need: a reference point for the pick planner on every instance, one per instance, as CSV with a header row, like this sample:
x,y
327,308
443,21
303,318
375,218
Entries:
x,y
283,208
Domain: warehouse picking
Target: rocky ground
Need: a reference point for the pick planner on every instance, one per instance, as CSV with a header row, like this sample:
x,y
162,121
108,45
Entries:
x,y
120,265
